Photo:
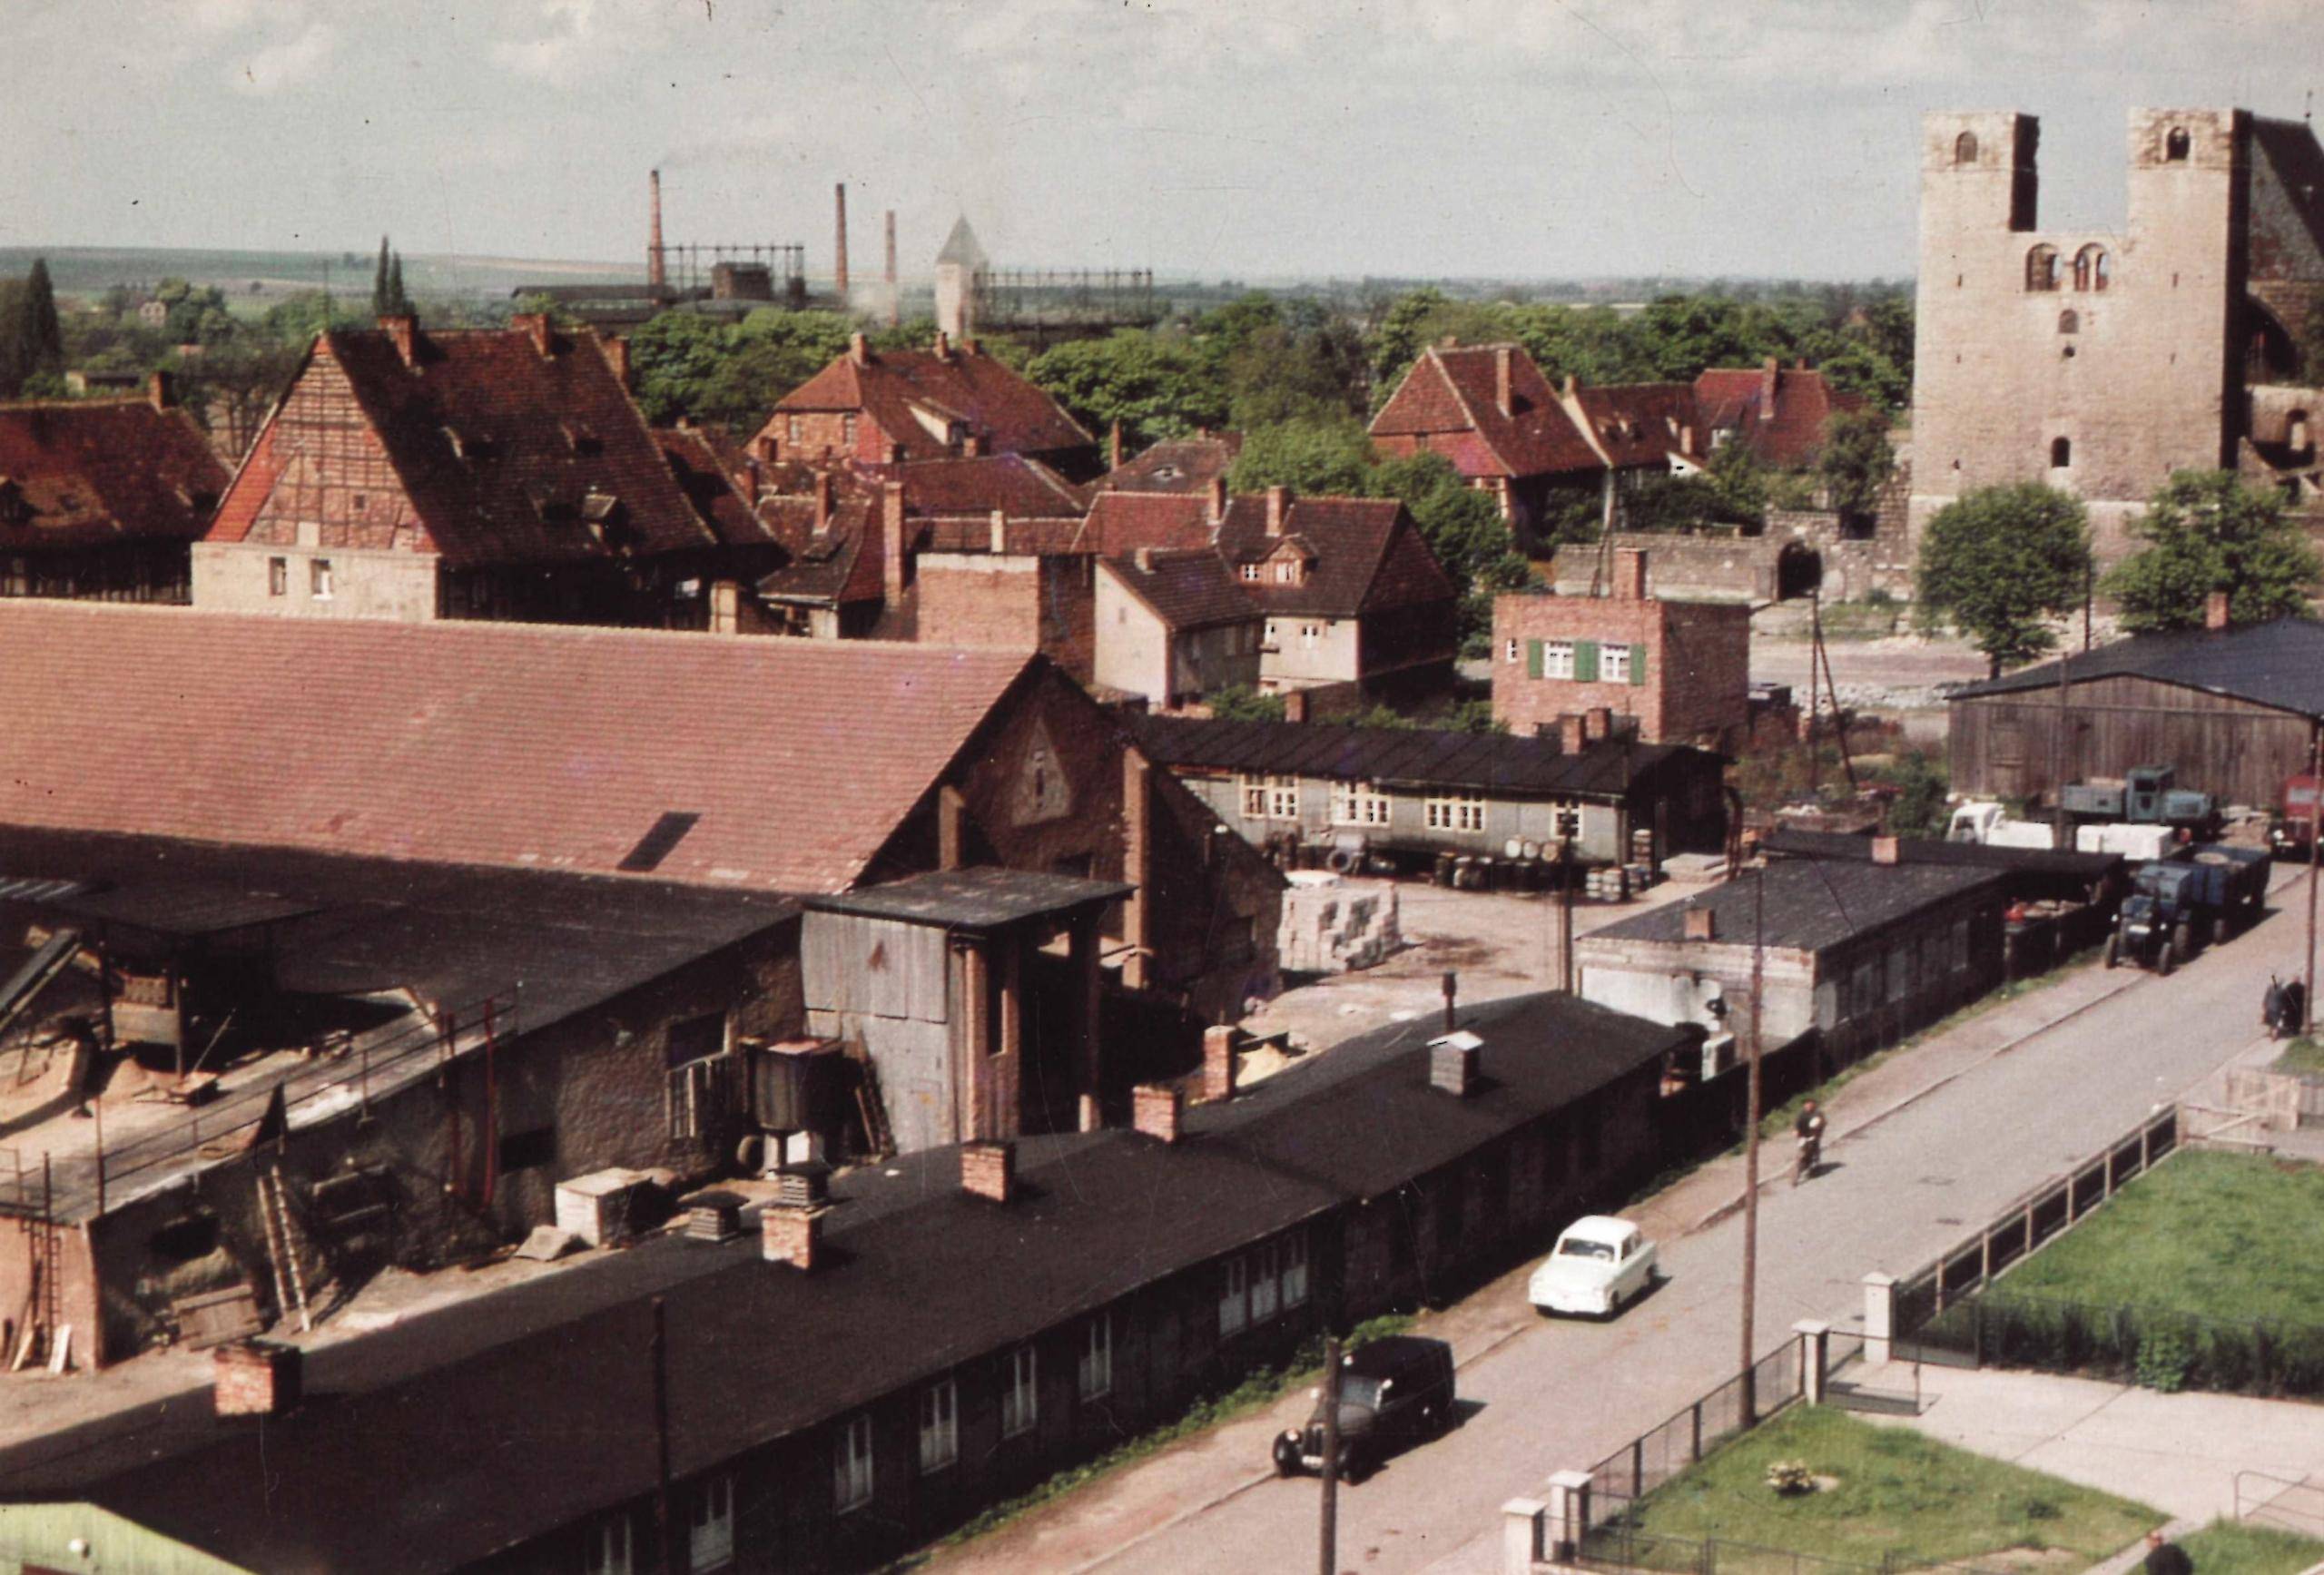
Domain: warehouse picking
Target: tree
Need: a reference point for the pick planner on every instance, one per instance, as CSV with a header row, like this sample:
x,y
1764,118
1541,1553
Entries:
x,y
398,301
1856,461
2206,531
1332,456
2000,560
43,336
1241,703
1155,385
2310,344
379,296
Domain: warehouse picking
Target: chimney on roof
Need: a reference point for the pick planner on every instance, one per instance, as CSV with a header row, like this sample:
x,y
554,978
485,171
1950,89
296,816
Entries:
x,y
1629,574
1216,512
1113,447
1571,733
756,472
1155,1109
1144,558
972,445
2215,615
943,346
1000,531
1218,1062
1770,370
1294,705
534,326
1450,985
404,329
988,1170
859,349
1453,1063
789,1233
1598,724
1701,923
161,390
1278,504
656,270
1504,375
616,351
839,243
1885,851
1572,386
892,542
256,1378
895,296
823,501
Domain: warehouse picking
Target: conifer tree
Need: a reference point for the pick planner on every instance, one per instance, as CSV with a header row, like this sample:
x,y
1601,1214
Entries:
x,y
380,298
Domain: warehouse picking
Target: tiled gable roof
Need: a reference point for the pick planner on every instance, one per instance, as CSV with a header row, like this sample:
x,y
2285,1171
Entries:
x,y
525,745
1121,522
1736,399
1188,589
1455,389
1021,488
1008,412
701,475
1639,426
1176,465
1352,539
85,473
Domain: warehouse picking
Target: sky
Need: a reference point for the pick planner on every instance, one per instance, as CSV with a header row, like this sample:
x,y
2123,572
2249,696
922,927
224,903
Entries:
x,y
1225,139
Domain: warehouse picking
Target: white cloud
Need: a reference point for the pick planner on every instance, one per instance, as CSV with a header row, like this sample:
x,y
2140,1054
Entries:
x,y
574,41
287,63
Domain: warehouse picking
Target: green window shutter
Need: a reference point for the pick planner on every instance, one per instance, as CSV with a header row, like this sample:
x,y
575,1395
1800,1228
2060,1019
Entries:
x,y
1532,658
1585,661
1637,667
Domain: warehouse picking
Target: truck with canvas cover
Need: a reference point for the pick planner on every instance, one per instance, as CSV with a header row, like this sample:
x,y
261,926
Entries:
x,y
2145,795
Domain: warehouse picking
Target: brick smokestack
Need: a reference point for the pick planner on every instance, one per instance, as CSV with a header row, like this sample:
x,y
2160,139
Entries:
x,y
656,272
892,542
895,296
2215,615
839,242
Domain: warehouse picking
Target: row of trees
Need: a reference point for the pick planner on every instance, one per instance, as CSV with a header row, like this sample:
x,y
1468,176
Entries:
x,y
2004,563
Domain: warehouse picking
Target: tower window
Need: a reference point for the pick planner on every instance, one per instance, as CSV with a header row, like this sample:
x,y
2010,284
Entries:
x,y
2175,145
2042,268
2091,269
2061,453
1964,148
2069,321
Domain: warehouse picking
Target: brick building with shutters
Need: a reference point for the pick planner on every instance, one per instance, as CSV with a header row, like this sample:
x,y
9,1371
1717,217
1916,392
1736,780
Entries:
x,y
1671,671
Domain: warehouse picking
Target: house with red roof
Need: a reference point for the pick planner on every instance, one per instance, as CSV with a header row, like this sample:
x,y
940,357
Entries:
x,y
102,498
476,473
1778,412
1489,410
949,401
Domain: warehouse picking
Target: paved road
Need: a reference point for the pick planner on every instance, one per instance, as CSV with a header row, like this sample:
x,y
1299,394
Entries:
x,y
1925,1146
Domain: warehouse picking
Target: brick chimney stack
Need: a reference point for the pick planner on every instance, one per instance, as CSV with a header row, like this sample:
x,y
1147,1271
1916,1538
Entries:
x,y
988,1170
404,329
1155,1109
1114,447
1217,510
1218,1062
839,242
534,326
1885,851
1629,574
823,501
656,269
1571,733
1144,557
892,542
943,346
161,390
790,1234
1504,376
1278,506
999,532
256,1378
2215,613
1771,371
616,351
859,349
1701,924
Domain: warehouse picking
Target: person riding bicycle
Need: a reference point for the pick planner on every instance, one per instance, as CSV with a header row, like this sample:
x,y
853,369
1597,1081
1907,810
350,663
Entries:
x,y
1808,1128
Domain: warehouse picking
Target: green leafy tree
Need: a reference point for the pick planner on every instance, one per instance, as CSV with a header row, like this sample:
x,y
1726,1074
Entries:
x,y
1241,703
2311,342
1920,783
1155,385
2001,560
1855,461
2207,531
1331,457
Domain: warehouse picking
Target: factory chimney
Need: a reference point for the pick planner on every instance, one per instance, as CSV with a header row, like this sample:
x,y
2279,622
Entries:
x,y
839,246
656,274
895,299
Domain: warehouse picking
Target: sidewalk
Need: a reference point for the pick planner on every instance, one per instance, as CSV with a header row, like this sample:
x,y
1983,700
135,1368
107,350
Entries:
x,y
2179,1452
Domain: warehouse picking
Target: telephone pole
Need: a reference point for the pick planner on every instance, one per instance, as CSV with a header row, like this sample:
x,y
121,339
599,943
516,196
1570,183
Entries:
x,y
1330,1530
1751,1137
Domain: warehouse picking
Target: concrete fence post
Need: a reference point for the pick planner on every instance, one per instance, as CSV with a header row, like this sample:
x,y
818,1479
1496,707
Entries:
x,y
1815,1353
1879,1316
1522,1525
1569,1514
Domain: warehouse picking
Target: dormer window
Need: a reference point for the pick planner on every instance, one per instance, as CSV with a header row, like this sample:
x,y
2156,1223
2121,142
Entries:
x,y
468,446
582,442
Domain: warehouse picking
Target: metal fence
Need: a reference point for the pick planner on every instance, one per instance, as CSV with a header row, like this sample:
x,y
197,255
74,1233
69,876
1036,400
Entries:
x,y
1657,1455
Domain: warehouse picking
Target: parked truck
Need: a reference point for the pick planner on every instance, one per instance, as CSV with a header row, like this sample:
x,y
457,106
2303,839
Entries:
x,y
2288,832
2145,795
2204,894
1985,822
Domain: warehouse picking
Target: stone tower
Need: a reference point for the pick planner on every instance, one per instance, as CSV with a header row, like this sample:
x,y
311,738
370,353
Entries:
x,y
959,268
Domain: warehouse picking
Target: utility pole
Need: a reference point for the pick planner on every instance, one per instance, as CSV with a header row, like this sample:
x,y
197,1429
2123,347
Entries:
x,y
2314,824
1751,1137
1330,1530
2058,838
1565,911
664,1530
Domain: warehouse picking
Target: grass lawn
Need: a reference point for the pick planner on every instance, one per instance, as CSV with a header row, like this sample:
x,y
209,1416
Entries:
x,y
1889,1490
2225,1548
2234,1236
2301,1055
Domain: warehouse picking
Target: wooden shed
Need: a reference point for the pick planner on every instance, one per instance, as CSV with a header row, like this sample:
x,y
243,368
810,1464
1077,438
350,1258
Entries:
x,y
2234,711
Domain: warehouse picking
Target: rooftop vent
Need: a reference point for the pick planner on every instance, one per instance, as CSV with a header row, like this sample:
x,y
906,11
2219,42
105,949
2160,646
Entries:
x,y
1453,1063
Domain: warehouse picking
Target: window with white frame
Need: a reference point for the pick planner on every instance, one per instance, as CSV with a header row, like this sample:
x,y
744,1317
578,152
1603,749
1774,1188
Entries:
x,y
1234,1299
319,578
1271,798
610,1548
1251,572
1294,1269
1097,1374
851,1465
1310,635
1267,1287
1510,652
1613,664
278,578
1456,815
939,1425
1020,1403
1556,658
709,1530
1359,803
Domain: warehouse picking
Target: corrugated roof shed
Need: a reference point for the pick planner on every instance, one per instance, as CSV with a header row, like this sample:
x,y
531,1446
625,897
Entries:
x,y
2279,663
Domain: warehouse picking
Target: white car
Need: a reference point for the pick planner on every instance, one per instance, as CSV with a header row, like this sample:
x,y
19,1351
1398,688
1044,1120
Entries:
x,y
1599,1264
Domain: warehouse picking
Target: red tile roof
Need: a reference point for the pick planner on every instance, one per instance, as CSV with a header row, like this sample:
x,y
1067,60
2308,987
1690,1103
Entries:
x,y
1188,589
1456,389
1737,398
1008,412
498,446
1639,426
527,745
1122,522
85,473
1366,556
1176,465
700,471
1023,488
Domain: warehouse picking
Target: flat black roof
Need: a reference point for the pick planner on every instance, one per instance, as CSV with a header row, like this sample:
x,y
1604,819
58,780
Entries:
x,y
471,1429
983,898
1810,904
1493,762
2279,663
2086,867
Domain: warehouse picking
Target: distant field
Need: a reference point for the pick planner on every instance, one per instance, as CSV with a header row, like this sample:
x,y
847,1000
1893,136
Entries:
x,y
94,269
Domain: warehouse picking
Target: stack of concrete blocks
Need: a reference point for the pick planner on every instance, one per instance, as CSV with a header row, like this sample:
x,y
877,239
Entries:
x,y
1329,926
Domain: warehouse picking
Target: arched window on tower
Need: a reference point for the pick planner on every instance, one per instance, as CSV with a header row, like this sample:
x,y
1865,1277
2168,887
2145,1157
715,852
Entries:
x,y
2061,453
2175,145
2042,268
2069,321
2091,269
1964,148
